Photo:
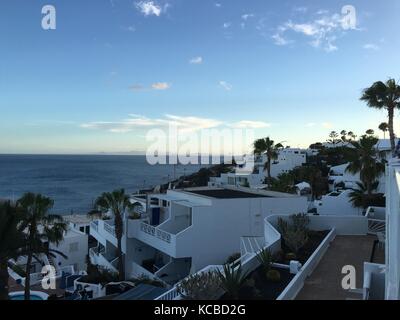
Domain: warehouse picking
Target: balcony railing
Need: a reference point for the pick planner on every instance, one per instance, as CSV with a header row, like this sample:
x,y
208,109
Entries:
x,y
95,225
156,232
109,228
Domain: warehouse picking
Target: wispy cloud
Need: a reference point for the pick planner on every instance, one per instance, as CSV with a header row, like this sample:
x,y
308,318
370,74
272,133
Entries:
x,y
227,25
247,16
196,60
250,124
371,46
134,122
184,124
227,86
161,86
218,5
149,8
321,32
154,86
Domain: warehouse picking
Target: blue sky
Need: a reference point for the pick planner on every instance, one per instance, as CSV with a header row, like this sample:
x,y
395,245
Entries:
x,y
114,69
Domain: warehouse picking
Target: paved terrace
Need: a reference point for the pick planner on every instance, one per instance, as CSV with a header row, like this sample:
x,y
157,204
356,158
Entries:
x,y
325,282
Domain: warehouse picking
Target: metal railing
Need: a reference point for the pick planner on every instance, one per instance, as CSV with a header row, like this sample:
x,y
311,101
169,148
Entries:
x,y
376,220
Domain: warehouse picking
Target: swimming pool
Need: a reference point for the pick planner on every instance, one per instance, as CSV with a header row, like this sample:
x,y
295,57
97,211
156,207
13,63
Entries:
x,y
35,295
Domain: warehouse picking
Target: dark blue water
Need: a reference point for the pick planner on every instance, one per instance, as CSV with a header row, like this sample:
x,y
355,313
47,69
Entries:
x,y
74,182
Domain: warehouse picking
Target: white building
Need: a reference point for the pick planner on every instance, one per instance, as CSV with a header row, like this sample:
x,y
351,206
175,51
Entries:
x,y
288,159
383,281
183,231
337,203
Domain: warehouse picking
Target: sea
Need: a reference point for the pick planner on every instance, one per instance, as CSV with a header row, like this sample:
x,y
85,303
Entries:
x,y
75,181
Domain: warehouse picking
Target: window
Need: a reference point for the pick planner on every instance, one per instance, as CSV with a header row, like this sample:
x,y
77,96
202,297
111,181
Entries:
x,y
73,247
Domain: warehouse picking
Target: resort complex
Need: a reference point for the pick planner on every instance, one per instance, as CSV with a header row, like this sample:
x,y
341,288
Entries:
x,y
199,158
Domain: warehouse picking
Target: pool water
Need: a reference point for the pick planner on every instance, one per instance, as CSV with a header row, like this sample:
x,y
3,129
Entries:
x,y
22,297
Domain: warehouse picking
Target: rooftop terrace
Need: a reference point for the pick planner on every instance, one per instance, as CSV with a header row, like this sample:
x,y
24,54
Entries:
x,y
325,281
226,194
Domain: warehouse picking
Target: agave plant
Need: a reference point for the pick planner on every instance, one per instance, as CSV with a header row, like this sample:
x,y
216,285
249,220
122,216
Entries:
x,y
232,280
264,256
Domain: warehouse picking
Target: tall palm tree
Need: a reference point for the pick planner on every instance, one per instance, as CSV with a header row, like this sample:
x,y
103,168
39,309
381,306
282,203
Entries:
x,y
384,96
40,227
270,149
119,204
11,242
384,127
367,161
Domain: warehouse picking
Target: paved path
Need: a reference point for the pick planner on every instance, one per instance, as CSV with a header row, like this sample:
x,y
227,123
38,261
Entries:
x,y
325,282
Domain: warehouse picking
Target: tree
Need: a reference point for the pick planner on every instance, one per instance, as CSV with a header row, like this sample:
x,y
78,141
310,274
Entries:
x,y
270,149
119,204
367,161
11,242
384,127
384,96
313,176
360,197
334,138
39,228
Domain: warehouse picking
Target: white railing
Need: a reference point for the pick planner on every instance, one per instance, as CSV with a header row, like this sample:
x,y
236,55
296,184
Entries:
x,y
174,294
376,220
109,228
95,225
249,263
156,232
297,283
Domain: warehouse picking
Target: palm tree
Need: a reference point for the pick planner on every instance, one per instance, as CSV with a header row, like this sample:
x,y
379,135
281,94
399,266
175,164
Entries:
x,y
313,176
270,149
11,242
119,204
384,127
384,96
39,228
360,198
367,161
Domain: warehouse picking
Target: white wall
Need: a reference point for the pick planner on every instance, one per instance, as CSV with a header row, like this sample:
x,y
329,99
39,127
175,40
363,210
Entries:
x,y
337,205
75,247
216,230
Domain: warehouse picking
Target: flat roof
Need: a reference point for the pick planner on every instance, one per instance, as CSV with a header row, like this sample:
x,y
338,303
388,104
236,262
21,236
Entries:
x,y
227,194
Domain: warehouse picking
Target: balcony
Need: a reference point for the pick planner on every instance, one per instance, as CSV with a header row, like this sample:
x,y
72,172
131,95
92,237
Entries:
x,y
103,230
102,258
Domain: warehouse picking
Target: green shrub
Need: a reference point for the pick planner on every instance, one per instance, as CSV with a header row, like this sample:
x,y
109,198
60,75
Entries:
x,y
290,256
232,280
300,221
232,258
274,275
265,258
203,286
134,216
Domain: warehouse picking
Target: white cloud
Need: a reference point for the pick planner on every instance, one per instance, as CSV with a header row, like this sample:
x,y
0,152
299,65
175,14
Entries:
x,y
227,86
135,122
149,8
226,25
322,32
196,60
300,9
247,16
371,46
160,86
327,125
250,124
